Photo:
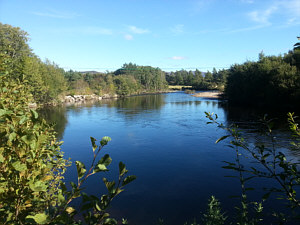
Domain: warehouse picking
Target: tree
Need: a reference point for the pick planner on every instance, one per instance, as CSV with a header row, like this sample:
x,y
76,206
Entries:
x,y
297,54
13,49
269,82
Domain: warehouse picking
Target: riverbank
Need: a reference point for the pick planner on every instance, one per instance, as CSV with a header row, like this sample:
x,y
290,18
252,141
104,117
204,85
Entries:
x,y
72,99
82,99
209,94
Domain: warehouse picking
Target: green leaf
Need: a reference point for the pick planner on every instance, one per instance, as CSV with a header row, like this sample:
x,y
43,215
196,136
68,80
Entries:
x,y
109,185
93,140
12,136
98,207
105,160
1,158
40,218
3,112
63,187
99,168
34,114
22,120
122,169
70,210
38,186
128,180
105,140
80,169
110,221
222,138
19,166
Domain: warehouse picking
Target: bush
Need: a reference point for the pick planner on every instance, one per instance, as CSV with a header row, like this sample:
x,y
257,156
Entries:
x,y
32,164
32,190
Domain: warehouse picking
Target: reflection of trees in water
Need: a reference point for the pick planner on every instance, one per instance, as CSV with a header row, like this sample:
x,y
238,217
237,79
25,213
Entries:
x,y
197,103
249,122
55,116
138,104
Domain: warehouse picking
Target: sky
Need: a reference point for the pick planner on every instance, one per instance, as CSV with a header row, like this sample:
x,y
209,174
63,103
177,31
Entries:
x,y
102,35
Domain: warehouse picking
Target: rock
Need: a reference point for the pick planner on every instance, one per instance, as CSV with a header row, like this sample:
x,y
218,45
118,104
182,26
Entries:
x,y
32,105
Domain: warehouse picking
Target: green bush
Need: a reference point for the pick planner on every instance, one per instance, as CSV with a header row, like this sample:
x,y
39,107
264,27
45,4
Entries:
x,y
31,161
32,190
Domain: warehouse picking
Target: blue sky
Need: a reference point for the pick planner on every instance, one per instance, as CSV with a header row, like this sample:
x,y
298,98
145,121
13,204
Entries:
x,y
171,34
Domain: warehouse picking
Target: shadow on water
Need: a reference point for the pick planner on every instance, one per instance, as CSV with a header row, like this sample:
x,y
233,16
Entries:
x,y
55,116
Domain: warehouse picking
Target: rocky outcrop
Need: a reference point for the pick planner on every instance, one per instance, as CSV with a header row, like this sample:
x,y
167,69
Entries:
x,y
85,98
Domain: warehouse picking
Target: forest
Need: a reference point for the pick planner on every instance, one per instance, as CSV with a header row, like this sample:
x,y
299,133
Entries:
x,y
49,82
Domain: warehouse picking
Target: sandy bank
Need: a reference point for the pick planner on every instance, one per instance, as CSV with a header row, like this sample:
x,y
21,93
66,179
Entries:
x,y
208,94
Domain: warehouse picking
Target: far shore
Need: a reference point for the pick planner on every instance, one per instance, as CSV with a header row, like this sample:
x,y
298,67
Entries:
x,y
208,94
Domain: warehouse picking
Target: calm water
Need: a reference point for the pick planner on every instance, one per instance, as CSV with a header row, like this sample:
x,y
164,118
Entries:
x,y
163,140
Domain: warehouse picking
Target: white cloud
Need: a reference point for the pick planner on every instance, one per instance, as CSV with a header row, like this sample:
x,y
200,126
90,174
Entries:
x,y
290,9
128,37
177,57
56,14
136,30
263,16
293,8
177,29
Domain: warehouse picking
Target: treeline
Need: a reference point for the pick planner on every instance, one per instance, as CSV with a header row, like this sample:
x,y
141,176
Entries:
x,y
46,79
199,80
48,82
272,81
130,79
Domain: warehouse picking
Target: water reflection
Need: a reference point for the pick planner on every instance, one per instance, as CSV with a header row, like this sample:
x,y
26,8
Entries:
x,y
165,141
57,117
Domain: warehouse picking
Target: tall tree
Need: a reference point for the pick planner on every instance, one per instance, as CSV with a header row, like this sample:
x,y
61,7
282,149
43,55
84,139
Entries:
x,y
13,50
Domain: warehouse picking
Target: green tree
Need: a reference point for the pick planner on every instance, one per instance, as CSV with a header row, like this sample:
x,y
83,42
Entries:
x,y
269,82
13,50
297,54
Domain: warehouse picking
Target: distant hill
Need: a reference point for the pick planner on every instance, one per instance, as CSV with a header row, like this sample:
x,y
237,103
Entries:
x,y
90,72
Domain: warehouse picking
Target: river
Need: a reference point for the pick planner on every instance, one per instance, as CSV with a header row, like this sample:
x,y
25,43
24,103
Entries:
x,y
166,142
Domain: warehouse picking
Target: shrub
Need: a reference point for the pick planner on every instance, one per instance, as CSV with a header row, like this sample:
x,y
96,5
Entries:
x,y
32,190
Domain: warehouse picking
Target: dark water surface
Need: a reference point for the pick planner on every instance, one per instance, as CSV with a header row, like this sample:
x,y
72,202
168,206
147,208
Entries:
x,y
163,140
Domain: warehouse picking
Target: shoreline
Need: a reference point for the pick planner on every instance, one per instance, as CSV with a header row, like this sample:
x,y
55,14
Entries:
x,y
209,94
81,99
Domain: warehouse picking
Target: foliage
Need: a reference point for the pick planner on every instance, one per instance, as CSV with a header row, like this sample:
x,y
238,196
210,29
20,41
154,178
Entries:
x,y
128,80
147,77
214,216
210,81
13,49
32,190
296,54
45,79
273,164
271,81
31,162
